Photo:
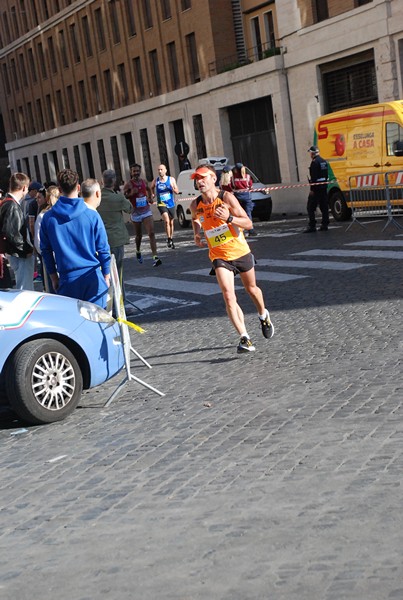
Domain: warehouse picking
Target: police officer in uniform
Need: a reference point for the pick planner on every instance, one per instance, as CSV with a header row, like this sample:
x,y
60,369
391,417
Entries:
x,y
318,173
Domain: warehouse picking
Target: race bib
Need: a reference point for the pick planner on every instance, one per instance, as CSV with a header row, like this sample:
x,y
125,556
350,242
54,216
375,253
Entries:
x,y
219,235
165,197
141,202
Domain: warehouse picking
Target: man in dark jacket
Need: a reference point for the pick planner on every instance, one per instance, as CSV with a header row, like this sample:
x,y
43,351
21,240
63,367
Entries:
x,y
13,233
318,175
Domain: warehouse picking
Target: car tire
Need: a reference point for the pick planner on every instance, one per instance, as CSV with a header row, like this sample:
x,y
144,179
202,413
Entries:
x,y
182,220
338,206
43,381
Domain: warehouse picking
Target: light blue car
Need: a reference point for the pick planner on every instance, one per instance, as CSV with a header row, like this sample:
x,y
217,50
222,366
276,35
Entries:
x,y
51,348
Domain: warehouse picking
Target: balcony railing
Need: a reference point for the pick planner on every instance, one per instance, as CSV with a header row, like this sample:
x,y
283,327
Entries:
x,y
251,55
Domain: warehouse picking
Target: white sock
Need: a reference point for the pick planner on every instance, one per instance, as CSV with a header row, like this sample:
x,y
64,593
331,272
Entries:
x,y
245,334
264,315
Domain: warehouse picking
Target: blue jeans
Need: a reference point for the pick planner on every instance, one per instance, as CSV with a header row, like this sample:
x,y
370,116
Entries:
x,y
24,272
245,200
119,254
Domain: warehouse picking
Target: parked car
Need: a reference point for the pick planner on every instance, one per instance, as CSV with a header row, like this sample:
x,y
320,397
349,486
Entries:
x,y
51,348
188,191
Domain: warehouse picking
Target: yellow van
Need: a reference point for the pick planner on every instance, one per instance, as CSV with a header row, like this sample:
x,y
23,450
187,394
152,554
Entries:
x,y
360,144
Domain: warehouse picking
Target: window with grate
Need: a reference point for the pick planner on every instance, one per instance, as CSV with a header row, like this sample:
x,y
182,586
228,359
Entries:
x,y
38,176
138,79
14,20
49,108
99,27
87,36
173,65
27,169
155,70
24,18
32,67
192,58
55,161
353,85
162,145
269,30
166,9
320,10
23,70
128,139
124,90
65,158
63,49
14,75
60,108
83,97
39,112
130,20
6,79
199,136
77,160
101,155
145,148
109,89
116,157
95,94
52,55
71,103
90,161
114,22
46,167
75,43
148,17
41,58
185,4
31,124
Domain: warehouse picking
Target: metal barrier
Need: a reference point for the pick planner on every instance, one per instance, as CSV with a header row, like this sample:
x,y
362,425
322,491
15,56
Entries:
x,y
376,194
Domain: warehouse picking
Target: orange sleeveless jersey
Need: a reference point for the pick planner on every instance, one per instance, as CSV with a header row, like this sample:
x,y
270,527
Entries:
x,y
225,241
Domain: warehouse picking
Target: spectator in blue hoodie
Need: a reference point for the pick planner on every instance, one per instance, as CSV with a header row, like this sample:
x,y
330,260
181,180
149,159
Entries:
x,y
74,245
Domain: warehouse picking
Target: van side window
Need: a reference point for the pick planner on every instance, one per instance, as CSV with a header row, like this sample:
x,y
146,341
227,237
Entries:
x,y
394,139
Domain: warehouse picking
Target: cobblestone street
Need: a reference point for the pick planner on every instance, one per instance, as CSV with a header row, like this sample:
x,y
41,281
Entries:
x,y
272,476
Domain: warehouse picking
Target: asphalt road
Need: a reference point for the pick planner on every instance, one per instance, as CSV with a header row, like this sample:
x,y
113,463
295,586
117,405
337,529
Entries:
x,y
270,476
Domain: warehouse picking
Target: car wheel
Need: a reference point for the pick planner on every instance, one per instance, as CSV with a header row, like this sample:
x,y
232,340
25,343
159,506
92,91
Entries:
x,y
43,381
183,222
338,206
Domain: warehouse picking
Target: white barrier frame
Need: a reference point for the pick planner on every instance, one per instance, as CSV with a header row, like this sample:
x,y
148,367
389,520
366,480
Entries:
x,y
124,331
370,183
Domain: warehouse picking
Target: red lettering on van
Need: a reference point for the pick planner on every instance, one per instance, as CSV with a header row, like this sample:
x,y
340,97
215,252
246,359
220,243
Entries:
x,y
323,131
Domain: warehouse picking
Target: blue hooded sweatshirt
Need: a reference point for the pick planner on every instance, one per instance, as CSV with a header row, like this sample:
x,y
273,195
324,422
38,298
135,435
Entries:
x,y
73,240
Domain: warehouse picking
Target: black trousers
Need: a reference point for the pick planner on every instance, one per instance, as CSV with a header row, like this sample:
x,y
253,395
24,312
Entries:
x,y
318,197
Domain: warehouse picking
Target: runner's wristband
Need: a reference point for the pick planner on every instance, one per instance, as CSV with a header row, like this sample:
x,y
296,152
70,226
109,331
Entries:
x,y
230,219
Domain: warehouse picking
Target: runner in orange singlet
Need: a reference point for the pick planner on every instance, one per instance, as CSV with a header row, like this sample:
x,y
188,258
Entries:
x,y
223,220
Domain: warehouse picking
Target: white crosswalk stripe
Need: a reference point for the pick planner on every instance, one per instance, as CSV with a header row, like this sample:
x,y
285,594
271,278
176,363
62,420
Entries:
x,y
263,275
394,254
177,285
311,264
378,243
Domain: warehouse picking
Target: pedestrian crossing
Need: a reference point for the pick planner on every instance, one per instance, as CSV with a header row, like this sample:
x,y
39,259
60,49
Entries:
x,y
148,293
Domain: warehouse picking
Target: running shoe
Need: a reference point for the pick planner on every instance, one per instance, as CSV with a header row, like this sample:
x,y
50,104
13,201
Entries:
x,y
169,242
245,345
139,257
172,245
157,262
267,327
